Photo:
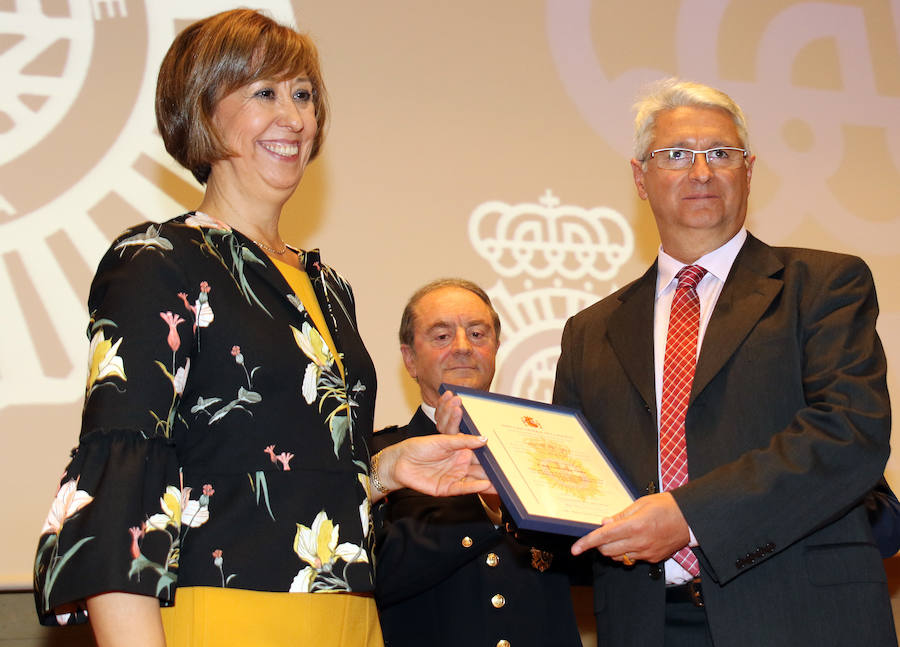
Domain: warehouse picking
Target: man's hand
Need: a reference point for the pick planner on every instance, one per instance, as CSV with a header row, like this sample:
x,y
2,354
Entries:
x,y
651,529
448,413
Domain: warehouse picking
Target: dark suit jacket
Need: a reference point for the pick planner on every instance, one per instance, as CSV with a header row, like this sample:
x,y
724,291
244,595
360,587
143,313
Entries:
x,y
435,581
787,428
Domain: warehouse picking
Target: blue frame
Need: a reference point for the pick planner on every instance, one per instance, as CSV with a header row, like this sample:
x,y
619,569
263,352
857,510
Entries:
x,y
514,506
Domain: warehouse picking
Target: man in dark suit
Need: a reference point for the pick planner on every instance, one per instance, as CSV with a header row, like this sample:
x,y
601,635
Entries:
x,y
784,421
447,572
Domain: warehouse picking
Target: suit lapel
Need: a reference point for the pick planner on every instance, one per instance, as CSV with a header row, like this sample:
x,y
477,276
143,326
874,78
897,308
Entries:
x,y
630,332
235,253
749,290
250,272
312,265
420,425
267,272
747,294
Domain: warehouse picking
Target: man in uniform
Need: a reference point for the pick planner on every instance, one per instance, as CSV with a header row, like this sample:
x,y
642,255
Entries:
x,y
448,573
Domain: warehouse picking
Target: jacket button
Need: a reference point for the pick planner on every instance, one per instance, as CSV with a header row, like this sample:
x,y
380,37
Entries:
x,y
655,571
498,601
503,643
492,560
466,542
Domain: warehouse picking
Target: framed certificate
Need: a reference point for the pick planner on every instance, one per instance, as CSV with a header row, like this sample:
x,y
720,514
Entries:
x,y
550,471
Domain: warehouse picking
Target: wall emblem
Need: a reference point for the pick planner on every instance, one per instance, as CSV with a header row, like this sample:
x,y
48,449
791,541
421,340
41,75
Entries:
x,y
56,59
553,260
818,90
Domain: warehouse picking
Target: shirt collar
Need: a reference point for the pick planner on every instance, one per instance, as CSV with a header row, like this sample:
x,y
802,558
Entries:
x,y
717,262
428,411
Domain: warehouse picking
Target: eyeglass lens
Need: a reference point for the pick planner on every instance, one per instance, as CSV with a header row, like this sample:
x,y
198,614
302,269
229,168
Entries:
x,y
682,158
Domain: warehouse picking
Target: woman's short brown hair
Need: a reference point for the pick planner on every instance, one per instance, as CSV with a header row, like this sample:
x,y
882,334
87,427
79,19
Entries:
x,y
215,56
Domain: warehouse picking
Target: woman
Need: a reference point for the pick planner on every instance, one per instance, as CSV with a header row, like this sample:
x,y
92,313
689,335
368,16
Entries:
x,y
230,398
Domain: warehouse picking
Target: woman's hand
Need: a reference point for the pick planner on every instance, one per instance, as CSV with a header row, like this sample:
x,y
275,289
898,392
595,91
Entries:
x,y
439,465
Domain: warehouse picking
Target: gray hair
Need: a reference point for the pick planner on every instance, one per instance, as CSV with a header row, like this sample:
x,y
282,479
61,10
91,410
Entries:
x,y
674,93
408,320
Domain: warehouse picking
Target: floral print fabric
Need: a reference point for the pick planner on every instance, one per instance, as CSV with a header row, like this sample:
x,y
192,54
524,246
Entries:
x,y
221,445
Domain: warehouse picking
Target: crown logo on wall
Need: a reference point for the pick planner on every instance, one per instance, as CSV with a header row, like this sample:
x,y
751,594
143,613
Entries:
x,y
553,260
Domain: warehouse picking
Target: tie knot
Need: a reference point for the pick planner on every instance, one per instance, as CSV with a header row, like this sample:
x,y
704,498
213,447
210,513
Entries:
x,y
689,276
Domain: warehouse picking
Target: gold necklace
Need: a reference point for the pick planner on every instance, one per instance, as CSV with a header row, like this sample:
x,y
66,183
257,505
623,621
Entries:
x,y
267,248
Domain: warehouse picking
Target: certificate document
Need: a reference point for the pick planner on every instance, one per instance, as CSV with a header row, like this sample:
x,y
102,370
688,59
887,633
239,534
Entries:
x,y
552,474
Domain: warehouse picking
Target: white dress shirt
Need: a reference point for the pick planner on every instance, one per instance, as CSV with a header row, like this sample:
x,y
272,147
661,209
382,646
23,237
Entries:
x,y
717,264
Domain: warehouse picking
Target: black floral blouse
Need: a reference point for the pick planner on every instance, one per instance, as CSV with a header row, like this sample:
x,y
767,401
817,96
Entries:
x,y
220,445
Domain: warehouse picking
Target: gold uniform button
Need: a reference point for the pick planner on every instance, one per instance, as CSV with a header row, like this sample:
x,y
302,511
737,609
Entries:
x,y
467,542
492,560
498,601
503,643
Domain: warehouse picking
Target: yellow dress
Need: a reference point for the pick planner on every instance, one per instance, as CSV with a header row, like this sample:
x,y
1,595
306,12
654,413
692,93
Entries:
x,y
218,617
302,287
214,617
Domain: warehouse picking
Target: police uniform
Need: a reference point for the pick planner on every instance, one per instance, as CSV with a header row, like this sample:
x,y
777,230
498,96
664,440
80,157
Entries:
x,y
447,576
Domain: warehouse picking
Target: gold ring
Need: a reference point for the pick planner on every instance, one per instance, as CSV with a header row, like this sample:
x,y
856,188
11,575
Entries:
x,y
627,560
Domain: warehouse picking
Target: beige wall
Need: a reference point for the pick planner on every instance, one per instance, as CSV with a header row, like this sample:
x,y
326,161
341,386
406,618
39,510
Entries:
x,y
469,138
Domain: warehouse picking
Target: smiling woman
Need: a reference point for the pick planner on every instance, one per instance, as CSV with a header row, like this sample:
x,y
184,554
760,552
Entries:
x,y
215,57
269,129
223,467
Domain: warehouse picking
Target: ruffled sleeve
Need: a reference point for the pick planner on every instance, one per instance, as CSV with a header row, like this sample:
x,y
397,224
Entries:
x,y
114,523
113,526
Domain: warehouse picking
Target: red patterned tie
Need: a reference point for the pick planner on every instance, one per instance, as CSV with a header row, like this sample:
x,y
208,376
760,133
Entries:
x,y
678,375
